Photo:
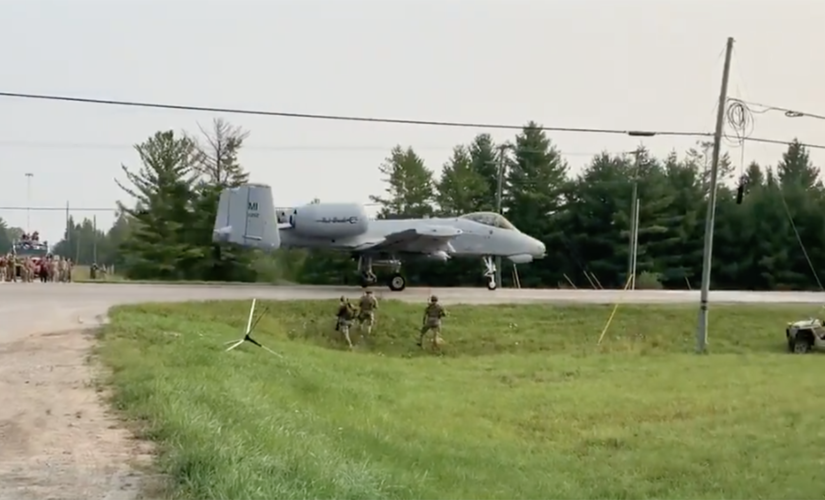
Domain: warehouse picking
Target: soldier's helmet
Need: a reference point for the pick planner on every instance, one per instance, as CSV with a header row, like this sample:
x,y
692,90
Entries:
x,y
433,299
343,299
368,292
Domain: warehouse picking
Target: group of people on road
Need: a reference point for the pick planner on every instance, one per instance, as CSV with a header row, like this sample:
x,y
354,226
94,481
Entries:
x,y
27,269
30,238
364,315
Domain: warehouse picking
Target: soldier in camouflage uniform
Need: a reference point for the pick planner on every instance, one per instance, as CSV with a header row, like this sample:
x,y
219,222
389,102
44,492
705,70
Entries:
x,y
432,321
366,311
28,267
346,313
10,268
61,269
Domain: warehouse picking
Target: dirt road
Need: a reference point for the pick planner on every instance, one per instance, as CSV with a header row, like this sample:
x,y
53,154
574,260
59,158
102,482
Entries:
x,y
58,441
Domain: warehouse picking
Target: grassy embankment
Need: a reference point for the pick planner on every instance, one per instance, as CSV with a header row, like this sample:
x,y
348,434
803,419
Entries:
x,y
521,404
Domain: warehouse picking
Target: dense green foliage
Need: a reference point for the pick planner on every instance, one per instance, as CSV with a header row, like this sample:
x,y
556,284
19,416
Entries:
x,y
164,232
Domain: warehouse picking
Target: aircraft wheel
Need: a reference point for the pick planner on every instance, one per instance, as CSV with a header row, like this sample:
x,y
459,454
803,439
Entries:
x,y
397,283
491,285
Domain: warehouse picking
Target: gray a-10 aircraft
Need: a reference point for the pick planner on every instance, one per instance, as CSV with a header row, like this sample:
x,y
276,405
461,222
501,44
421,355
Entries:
x,y
247,216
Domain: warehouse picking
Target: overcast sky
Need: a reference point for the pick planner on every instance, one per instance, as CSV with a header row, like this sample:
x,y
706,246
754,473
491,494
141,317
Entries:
x,y
617,64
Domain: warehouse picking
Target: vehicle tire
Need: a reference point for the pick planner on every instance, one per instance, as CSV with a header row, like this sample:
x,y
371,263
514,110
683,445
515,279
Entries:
x,y
397,283
492,285
802,344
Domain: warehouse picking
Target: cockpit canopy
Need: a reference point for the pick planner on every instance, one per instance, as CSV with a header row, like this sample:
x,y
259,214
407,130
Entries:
x,y
490,219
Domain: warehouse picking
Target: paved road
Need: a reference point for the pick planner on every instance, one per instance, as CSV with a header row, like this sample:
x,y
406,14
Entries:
x,y
49,307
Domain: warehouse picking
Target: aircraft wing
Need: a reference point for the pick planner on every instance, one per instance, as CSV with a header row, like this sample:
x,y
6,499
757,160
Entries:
x,y
414,240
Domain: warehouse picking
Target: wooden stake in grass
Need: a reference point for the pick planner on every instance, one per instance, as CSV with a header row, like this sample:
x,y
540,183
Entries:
x,y
248,332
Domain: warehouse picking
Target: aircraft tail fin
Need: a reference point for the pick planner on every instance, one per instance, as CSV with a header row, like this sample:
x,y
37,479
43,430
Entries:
x,y
246,216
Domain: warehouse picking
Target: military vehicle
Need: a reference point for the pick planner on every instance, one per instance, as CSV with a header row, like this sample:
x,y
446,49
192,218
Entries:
x,y
805,335
36,249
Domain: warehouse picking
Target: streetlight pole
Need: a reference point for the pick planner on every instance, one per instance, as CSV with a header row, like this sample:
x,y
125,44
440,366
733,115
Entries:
x,y
29,176
634,210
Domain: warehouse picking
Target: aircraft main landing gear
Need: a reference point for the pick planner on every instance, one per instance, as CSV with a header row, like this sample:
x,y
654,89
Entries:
x,y
365,269
490,273
397,282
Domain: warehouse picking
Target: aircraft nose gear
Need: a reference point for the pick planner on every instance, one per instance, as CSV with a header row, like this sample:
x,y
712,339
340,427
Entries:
x,y
490,273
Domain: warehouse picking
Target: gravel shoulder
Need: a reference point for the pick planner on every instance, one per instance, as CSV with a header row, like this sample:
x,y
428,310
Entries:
x,y
57,440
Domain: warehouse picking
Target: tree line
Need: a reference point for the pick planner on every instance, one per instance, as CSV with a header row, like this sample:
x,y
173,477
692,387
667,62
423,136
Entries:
x,y
769,232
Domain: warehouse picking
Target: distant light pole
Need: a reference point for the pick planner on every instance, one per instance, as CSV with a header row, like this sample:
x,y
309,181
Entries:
x,y
502,165
634,211
29,177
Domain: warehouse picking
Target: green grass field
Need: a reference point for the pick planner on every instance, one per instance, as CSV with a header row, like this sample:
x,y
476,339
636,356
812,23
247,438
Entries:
x,y
522,403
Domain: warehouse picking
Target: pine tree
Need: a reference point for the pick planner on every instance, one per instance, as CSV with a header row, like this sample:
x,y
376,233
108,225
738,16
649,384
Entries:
x,y
410,186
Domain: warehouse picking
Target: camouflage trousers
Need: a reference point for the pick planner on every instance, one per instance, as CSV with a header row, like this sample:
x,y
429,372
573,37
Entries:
x,y
343,327
366,319
434,325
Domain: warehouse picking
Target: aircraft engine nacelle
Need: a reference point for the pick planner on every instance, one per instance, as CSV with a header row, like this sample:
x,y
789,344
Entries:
x,y
330,220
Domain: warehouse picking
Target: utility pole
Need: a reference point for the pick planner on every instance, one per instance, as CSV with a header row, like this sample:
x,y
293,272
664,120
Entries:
x,y
499,190
68,236
94,241
634,198
29,176
635,248
707,257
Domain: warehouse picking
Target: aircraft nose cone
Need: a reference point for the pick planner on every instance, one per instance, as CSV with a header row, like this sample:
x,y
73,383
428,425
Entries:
x,y
541,250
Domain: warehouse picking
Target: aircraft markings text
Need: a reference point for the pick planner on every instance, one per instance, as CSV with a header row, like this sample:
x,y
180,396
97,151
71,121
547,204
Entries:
x,y
336,220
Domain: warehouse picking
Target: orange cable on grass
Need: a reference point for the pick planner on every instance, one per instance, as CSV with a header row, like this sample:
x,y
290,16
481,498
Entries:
x,y
613,313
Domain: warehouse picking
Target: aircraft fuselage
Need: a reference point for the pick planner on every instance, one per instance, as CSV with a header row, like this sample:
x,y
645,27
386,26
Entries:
x,y
476,239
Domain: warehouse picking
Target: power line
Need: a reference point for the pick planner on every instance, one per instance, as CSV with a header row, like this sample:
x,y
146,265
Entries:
x,y
61,209
114,209
397,121
764,108
277,148
782,143
740,118
283,114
